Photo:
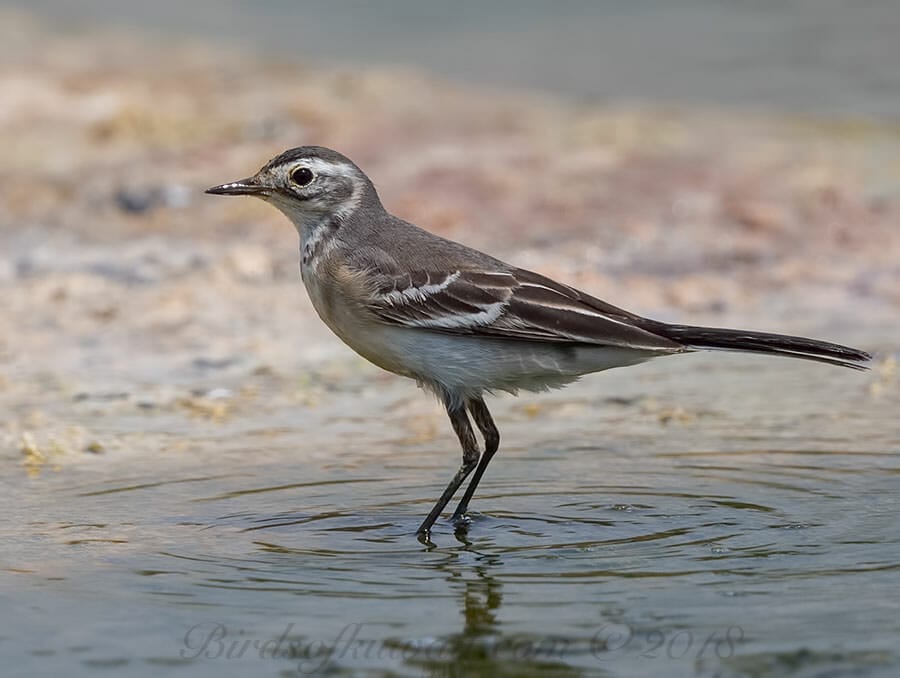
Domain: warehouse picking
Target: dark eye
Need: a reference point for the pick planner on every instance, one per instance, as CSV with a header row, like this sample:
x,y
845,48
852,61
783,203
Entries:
x,y
302,176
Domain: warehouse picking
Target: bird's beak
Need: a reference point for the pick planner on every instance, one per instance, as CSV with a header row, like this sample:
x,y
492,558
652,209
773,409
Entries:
x,y
248,186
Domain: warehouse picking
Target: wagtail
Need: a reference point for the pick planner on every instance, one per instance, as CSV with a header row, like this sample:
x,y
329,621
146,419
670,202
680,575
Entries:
x,y
458,321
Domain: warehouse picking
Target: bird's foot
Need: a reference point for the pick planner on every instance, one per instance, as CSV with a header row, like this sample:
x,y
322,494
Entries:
x,y
461,521
424,537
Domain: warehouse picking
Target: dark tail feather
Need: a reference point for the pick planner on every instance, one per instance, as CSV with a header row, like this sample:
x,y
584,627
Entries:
x,y
763,342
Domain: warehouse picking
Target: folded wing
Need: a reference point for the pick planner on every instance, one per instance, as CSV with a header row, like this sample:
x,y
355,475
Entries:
x,y
514,304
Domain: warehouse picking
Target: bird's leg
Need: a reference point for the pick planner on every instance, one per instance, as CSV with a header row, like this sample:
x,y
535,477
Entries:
x,y
485,424
460,422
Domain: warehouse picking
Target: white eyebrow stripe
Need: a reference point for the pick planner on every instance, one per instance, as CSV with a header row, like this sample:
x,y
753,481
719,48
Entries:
x,y
419,294
320,165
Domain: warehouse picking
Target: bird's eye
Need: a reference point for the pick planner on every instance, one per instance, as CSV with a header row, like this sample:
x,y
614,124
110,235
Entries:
x,y
302,176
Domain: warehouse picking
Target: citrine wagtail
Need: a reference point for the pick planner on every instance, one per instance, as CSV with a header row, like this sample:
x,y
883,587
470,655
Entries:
x,y
458,321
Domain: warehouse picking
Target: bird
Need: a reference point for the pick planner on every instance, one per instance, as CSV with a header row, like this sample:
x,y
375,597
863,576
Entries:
x,y
460,322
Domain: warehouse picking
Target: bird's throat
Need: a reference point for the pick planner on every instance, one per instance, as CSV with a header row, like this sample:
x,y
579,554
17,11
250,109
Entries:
x,y
315,238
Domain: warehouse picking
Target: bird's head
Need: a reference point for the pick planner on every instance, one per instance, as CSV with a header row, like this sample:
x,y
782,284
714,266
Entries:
x,y
309,184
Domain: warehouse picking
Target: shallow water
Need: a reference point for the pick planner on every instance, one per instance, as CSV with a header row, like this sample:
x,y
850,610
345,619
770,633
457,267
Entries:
x,y
824,58
711,515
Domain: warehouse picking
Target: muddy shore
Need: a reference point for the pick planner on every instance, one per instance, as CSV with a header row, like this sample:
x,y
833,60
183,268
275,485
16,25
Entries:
x,y
125,289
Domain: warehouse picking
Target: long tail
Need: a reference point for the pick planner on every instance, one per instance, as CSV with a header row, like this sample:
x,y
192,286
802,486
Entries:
x,y
763,342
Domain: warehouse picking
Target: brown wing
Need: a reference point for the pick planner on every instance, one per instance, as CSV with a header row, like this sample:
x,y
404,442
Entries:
x,y
513,304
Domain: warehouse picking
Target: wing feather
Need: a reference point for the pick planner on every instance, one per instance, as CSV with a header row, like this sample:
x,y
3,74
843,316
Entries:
x,y
514,304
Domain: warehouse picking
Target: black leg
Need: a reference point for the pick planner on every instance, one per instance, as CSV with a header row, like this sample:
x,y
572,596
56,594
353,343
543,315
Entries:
x,y
485,424
460,421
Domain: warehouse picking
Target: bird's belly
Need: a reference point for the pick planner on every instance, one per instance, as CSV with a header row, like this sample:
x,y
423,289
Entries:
x,y
465,365
468,364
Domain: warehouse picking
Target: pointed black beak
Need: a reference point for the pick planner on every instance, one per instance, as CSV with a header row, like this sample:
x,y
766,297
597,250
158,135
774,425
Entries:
x,y
249,186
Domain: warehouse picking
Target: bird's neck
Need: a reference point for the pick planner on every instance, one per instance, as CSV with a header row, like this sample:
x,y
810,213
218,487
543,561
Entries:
x,y
315,235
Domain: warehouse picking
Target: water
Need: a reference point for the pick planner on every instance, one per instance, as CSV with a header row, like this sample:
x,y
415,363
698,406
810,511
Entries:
x,y
824,57
702,515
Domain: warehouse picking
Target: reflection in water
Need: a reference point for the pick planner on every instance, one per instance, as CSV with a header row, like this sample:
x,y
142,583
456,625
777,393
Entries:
x,y
750,543
481,647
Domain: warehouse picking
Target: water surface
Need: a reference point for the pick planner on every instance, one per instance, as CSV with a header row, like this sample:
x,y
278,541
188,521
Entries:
x,y
706,515
822,57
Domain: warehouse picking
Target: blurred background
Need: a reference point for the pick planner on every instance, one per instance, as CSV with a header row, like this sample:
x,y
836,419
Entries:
x,y
824,57
182,442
